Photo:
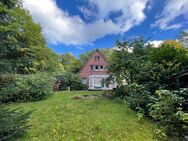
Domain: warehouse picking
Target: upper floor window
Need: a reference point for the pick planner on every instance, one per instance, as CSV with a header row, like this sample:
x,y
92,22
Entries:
x,y
102,67
91,67
97,58
96,67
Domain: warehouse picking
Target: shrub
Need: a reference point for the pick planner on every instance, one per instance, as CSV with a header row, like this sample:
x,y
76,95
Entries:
x,y
13,123
22,88
136,96
71,80
168,112
169,109
8,88
121,91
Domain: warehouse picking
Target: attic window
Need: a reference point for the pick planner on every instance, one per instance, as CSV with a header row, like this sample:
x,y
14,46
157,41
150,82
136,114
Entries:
x,y
97,58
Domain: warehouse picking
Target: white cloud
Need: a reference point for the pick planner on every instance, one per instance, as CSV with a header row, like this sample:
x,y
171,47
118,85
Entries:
x,y
172,10
59,27
155,43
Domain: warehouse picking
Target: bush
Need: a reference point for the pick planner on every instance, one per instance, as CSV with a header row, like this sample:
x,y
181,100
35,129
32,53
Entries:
x,y
13,123
8,88
22,88
121,91
168,112
136,96
71,80
169,109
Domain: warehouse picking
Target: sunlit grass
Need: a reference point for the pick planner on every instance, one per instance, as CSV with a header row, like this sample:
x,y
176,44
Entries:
x,y
63,118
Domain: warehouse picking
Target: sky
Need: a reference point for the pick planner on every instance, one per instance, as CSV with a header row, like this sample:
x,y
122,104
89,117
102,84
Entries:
x,y
78,26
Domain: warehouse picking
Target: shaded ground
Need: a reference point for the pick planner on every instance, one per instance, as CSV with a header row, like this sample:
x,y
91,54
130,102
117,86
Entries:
x,y
62,117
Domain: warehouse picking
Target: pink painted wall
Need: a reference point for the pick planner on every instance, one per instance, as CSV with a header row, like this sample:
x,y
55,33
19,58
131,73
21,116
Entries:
x,y
86,71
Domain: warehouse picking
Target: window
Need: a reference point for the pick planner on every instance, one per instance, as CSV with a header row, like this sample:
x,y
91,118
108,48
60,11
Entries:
x,y
102,68
84,80
96,67
91,67
97,58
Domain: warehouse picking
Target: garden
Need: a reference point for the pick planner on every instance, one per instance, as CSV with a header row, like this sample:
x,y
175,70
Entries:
x,y
152,105
62,117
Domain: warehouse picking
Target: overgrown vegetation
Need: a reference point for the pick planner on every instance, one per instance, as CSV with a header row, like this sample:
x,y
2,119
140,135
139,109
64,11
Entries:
x,y
22,88
151,89
27,65
70,81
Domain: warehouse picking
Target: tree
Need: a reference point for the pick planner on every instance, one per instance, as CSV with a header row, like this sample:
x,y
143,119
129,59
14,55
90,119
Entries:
x,y
173,43
140,63
183,37
84,57
70,80
22,46
127,61
70,63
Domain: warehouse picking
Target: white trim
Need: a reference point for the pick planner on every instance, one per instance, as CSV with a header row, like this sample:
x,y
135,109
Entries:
x,y
92,86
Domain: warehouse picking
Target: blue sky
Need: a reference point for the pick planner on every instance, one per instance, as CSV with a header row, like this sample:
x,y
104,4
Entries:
x,y
78,26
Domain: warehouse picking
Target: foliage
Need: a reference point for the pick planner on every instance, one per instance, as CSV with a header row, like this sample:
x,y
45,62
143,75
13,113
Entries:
x,y
127,61
84,57
174,43
23,48
136,97
13,123
70,63
148,70
70,80
139,63
167,110
166,61
23,51
22,88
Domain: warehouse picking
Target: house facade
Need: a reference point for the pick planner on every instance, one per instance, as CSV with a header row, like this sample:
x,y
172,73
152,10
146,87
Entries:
x,y
94,71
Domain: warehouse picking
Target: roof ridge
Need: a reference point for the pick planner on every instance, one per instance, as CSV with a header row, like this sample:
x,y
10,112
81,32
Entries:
x,y
95,50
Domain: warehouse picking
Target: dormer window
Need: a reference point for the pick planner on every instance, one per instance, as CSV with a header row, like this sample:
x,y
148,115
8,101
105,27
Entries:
x,y
97,58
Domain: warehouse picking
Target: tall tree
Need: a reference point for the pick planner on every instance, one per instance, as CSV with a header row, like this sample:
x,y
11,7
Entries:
x,y
70,63
147,65
22,46
84,57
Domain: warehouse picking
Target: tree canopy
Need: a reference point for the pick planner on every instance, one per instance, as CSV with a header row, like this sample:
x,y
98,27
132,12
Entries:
x,y
23,48
141,63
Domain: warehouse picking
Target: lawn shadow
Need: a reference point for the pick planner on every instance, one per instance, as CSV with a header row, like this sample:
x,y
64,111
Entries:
x,y
13,123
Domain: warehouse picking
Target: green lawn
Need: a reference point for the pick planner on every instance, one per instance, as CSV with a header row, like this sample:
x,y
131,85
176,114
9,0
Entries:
x,y
62,118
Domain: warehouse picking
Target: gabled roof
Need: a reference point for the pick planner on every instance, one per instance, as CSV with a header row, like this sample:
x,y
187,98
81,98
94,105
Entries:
x,y
96,50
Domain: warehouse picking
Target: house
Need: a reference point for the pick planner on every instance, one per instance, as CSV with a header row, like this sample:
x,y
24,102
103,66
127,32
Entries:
x,y
94,71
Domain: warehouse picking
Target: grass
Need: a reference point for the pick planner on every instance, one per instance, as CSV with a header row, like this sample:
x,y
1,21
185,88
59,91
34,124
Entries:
x,y
62,118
